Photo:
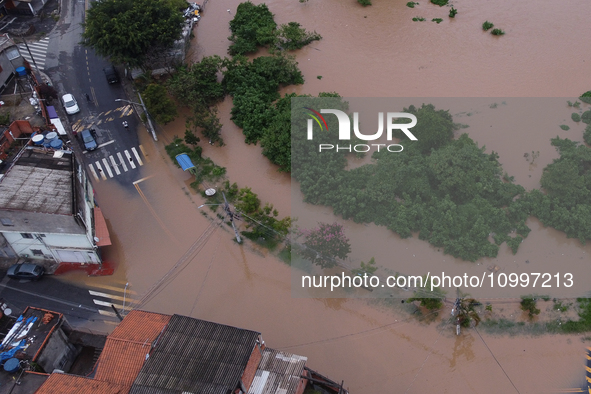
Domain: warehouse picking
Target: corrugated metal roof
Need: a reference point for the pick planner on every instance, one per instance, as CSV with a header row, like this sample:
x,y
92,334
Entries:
x,y
140,326
71,384
278,373
196,356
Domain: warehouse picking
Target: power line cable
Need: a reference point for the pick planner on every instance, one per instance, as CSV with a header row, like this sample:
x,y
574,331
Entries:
x,y
205,278
500,366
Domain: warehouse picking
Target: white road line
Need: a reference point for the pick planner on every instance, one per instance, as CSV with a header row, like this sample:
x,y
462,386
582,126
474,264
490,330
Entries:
x,y
108,168
113,297
93,172
115,166
129,159
107,313
106,143
100,170
103,303
137,157
145,154
120,156
112,288
143,179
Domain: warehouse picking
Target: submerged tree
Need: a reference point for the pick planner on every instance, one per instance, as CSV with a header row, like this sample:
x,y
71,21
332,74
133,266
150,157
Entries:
x,y
325,244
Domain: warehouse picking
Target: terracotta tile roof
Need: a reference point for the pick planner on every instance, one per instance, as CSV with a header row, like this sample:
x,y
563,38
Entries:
x,y
72,384
100,228
126,348
140,326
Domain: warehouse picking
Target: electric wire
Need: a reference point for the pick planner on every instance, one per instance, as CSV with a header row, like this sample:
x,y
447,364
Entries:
x,y
205,278
500,366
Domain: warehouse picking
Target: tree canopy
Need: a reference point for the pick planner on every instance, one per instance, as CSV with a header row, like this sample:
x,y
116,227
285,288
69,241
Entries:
x,y
126,30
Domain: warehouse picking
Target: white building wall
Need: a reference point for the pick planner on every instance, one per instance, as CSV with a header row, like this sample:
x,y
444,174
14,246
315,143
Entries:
x,y
69,248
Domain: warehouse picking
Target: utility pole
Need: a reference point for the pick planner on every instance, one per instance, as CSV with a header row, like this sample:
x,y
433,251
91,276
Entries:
x,y
231,216
148,117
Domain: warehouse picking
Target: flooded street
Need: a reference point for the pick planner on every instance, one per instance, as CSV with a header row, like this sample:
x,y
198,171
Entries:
x,y
158,230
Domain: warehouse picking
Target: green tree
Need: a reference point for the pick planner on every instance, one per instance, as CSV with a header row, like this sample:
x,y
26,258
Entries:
x,y
432,300
325,244
528,304
369,268
252,27
293,36
586,97
127,30
197,85
159,105
466,312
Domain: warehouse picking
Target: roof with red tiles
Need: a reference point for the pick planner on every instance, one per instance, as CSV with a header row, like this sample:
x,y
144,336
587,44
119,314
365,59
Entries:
x,y
140,326
128,345
72,384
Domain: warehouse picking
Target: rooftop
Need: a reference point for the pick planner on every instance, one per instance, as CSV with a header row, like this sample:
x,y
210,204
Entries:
x,y
278,372
128,345
38,182
72,384
34,328
196,356
27,384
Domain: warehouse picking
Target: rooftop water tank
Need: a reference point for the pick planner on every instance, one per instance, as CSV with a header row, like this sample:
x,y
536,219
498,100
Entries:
x,y
38,139
56,144
21,71
51,136
12,365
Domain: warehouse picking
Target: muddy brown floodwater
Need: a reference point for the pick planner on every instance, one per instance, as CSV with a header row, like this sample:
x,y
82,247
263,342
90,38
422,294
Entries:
x,y
365,52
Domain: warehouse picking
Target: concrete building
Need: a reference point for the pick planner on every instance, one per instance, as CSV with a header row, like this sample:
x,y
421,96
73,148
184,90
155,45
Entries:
x,y
10,60
47,211
152,353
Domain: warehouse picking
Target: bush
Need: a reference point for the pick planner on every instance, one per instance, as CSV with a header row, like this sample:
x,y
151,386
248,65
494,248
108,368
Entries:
x,y
564,127
586,97
252,27
159,105
575,117
528,304
453,12
586,117
497,32
487,25
364,3
418,19
440,3
587,135
438,20
292,36
411,4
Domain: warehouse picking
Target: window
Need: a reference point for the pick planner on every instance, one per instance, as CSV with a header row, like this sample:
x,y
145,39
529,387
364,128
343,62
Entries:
x,y
13,53
37,252
6,222
26,235
42,235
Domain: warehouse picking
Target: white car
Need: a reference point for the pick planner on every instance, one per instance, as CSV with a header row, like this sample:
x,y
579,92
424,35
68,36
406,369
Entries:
x,y
70,104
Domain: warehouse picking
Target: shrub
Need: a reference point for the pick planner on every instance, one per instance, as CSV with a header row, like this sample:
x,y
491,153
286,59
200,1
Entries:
x,y
440,3
411,4
575,117
453,12
418,19
587,135
586,117
586,97
438,20
487,25
497,32
528,304
564,127
364,3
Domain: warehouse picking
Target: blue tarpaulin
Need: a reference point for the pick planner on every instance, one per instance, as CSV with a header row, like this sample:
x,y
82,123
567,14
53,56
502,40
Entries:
x,y
184,161
10,353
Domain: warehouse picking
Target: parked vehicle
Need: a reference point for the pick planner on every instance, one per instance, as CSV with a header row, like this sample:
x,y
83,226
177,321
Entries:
x,y
111,74
88,137
70,104
26,271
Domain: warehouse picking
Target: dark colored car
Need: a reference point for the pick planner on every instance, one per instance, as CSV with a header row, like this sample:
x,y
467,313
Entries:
x,y
88,137
111,74
26,271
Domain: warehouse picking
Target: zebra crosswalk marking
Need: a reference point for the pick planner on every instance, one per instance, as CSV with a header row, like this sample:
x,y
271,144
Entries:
x,y
122,161
93,172
39,51
141,163
115,165
108,168
131,163
100,170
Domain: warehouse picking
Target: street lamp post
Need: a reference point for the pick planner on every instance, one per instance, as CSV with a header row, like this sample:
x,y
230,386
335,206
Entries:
x,y
151,127
124,294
